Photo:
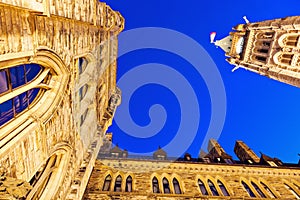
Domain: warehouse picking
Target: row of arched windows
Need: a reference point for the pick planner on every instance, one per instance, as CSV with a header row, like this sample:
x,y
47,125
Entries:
x,y
258,189
118,184
214,191
166,186
207,188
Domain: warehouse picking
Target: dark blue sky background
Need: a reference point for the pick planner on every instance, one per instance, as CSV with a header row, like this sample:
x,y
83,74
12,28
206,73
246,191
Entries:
x,y
264,113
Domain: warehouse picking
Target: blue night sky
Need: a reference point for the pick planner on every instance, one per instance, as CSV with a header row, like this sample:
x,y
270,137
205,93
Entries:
x,y
264,113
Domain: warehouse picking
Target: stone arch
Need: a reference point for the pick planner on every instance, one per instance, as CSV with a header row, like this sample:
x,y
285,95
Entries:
x,y
289,40
168,178
53,174
213,181
272,190
221,179
180,182
244,180
89,57
53,80
292,188
102,179
296,183
125,181
114,177
158,177
283,58
259,192
203,180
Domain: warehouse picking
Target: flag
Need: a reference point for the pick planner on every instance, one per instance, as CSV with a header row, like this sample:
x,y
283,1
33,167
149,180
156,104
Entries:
x,y
212,37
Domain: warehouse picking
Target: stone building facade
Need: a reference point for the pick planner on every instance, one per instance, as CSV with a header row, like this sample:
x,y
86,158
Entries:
x,y
214,176
270,48
58,94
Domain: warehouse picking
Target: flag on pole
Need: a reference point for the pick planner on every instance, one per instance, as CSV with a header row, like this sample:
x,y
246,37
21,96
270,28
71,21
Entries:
x,y
212,37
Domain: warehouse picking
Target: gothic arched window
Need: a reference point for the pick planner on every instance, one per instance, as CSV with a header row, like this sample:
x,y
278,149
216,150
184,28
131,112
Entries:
x,y
212,188
223,188
202,187
107,182
248,189
258,190
296,185
166,186
155,185
82,64
128,187
24,83
83,116
82,91
292,191
270,193
176,185
118,184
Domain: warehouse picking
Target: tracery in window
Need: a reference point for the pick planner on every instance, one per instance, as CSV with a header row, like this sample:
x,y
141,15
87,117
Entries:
x,y
248,189
270,193
12,80
155,185
176,185
118,184
223,188
107,182
258,190
128,187
202,187
292,191
166,186
212,188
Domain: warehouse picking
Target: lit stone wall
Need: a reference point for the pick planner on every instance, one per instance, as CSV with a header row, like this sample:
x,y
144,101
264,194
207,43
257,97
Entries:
x,y
187,174
57,35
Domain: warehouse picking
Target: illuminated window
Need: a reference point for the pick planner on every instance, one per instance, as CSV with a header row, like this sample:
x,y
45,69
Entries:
x,y
258,190
247,188
202,187
223,188
118,184
12,80
107,182
155,185
166,186
128,187
176,185
212,188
